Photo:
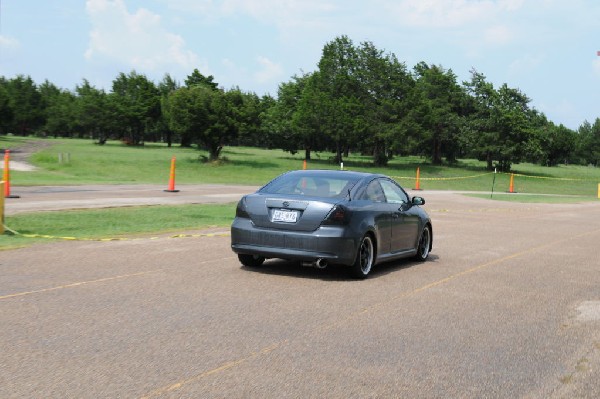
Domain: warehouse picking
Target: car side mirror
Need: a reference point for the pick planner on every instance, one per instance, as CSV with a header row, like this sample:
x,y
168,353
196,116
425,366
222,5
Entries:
x,y
418,201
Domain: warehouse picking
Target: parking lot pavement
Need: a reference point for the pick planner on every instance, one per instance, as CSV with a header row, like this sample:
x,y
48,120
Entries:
x,y
506,307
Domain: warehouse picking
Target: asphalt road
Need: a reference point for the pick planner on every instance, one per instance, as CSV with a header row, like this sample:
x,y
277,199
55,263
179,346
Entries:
x,y
508,306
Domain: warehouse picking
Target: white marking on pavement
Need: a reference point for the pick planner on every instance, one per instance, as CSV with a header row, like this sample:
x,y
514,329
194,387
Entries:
x,y
589,311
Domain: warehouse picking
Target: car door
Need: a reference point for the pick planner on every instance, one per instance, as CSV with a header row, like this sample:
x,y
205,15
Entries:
x,y
405,223
381,213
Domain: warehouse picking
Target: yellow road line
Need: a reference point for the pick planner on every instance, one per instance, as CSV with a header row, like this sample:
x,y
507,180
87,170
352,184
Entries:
x,y
228,365
494,262
77,284
332,325
80,283
482,210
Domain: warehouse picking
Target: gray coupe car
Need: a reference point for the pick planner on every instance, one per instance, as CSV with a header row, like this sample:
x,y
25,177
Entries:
x,y
339,217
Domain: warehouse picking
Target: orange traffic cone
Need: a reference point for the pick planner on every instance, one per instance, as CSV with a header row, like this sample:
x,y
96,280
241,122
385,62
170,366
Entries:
x,y
171,188
418,184
6,176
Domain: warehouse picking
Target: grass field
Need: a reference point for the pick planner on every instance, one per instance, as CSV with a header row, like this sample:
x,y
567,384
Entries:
x,y
113,223
115,163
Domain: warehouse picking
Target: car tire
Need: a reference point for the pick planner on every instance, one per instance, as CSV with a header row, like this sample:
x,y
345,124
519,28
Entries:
x,y
365,257
251,260
424,245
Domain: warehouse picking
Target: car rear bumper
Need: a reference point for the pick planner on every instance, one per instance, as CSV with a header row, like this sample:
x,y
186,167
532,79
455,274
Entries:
x,y
329,243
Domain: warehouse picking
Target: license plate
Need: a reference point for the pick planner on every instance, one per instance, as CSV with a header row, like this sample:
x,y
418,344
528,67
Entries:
x,y
280,215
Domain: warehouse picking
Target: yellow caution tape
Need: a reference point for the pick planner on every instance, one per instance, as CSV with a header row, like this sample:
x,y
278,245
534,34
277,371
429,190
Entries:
x,y
444,178
489,173
548,178
200,235
224,234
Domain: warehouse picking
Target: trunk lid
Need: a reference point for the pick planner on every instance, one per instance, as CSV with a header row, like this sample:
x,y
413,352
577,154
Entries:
x,y
294,213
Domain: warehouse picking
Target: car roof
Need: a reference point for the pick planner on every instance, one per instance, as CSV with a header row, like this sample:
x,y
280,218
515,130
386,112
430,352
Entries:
x,y
335,173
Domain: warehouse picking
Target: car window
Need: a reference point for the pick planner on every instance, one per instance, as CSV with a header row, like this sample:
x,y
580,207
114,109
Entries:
x,y
393,193
374,192
314,186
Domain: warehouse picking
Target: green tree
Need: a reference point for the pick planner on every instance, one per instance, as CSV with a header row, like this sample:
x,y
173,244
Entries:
x,y
558,144
549,144
384,91
166,87
267,102
196,78
6,112
249,112
499,128
512,116
438,109
588,143
59,110
184,110
307,120
95,113
339,93
294,122
26,105
138,104
202,115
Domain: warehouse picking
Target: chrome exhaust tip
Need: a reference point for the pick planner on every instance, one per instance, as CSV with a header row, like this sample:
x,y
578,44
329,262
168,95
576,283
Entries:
x,y
321,263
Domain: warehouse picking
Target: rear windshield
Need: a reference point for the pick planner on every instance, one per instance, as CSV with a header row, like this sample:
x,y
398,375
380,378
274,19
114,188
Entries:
x,y
313,186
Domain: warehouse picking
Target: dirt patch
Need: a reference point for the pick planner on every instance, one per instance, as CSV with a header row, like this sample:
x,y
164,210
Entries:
x,y
19,166
19,156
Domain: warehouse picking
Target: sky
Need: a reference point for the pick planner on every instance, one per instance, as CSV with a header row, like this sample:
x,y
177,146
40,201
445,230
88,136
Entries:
x,y
546,48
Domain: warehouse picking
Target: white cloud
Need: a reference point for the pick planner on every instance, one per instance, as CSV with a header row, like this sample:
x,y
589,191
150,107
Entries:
x,y
280,12
596,65
232,74
270,72
137,40
511,5
564,111
228,64
469,22
260,76
499,35
204,11
196,6
285,14
441,13
7,42
525,64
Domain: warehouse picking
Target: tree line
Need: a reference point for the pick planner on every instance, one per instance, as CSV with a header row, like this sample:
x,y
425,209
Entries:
x,y
358,99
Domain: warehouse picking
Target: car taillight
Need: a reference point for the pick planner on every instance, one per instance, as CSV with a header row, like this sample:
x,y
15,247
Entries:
x,y
240,210
339,215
